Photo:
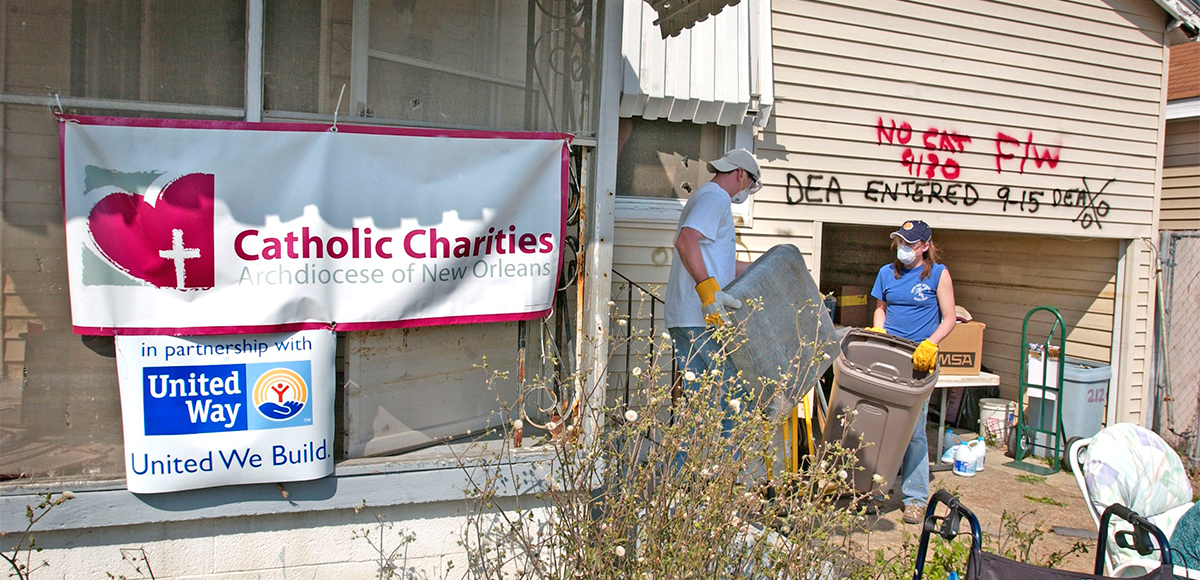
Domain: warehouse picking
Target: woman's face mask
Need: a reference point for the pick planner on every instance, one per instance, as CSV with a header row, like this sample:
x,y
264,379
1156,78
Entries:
x,y
906,254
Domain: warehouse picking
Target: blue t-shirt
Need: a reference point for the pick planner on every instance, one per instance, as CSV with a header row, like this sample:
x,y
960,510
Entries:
x,y
912,305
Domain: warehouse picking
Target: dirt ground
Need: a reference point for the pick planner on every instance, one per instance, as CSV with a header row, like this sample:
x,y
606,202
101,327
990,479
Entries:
x,y
988,494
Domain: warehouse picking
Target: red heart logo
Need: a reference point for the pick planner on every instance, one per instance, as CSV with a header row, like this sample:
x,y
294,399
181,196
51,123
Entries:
x,y
168,244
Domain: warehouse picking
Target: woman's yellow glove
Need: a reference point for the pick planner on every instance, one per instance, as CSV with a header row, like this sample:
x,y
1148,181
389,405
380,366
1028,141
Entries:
x,y
925,357
878,329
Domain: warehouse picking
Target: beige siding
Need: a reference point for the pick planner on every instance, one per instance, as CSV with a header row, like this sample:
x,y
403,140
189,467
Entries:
x,y
1084,81
643,251
1181,177
863,88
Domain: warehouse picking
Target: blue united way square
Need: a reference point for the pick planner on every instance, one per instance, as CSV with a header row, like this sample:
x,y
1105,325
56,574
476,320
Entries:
x,y
183,400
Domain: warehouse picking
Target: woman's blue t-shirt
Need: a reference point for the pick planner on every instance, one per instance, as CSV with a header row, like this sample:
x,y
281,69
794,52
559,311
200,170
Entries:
x,y
912,305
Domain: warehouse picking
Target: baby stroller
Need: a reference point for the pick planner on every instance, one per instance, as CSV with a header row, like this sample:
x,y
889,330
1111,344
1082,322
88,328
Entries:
x,y
1145,537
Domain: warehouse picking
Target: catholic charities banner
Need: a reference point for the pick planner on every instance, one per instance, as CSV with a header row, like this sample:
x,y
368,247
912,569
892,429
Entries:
x,y
219,410
190,227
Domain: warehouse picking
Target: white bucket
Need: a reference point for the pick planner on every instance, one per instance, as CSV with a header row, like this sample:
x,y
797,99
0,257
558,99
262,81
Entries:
x,y
995,417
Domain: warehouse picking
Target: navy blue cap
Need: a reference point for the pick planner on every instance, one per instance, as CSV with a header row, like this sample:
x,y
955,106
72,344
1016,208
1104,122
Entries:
x,y
914,231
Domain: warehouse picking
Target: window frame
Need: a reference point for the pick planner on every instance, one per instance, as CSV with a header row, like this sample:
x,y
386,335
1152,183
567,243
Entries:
x,y
436,466
636,209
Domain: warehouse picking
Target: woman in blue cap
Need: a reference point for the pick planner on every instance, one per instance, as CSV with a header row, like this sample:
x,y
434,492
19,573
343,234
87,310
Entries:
x,y
915,301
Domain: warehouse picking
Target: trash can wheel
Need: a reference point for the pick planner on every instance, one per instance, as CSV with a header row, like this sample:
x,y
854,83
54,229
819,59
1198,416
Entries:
x,y
1066,463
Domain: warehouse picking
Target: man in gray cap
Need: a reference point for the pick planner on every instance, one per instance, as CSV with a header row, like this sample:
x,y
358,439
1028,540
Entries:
x,y
704,261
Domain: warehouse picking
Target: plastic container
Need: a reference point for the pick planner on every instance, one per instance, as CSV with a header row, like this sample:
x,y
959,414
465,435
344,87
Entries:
x,y
980,453
875,403
1085,388
948,454
964,461
996,417
950,439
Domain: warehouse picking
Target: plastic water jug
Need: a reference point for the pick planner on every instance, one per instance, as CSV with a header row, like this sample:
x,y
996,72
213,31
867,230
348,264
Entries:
x,y
948,454
964,461
950,439
980,453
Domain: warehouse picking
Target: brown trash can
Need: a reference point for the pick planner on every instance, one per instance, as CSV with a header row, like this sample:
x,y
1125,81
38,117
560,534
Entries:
x,y
874,376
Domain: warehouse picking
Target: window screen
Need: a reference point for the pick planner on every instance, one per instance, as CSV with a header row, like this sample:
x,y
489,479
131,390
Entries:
x,y
169,51
665,159
59,405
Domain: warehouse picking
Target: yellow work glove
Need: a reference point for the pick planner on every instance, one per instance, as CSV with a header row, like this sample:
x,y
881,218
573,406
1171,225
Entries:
x,y
925,357
878,329
713,302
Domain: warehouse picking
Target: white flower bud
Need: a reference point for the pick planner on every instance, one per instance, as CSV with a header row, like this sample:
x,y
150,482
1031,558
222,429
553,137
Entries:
x,y
619,551
611,303
842,474
622,322
877,478
631,416
637,371
518,424
666,335
736,405
689,376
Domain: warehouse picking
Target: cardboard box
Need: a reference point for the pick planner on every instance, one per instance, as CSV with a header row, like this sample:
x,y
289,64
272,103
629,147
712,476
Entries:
x,y
959,353
853,308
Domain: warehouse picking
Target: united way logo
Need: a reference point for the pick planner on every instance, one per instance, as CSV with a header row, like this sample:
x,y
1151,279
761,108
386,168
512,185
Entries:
x,y
149,228
280,394
191,399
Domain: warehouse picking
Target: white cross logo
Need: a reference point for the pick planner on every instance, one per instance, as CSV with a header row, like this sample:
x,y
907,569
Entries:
x,y
178,254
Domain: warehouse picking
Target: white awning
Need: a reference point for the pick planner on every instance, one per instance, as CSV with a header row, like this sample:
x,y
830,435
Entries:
x,y
718,71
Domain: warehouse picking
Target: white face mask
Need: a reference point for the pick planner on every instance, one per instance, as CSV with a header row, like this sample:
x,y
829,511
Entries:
x,y
906,255
743,195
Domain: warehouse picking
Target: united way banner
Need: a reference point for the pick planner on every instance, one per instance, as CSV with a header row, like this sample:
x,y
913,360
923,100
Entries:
x,y
206,411
190,227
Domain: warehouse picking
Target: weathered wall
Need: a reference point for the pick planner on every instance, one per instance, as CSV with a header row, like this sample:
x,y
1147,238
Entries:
x,y
306,545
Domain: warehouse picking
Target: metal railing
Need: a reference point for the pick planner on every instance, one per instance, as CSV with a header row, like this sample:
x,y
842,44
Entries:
x,y
655,301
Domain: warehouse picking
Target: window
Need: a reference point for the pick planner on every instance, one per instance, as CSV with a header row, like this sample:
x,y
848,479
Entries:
x,y
505,64
665,159
496,64
59,407
168,51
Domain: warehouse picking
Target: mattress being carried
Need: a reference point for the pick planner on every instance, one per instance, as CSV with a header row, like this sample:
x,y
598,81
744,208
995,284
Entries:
x,y
789,342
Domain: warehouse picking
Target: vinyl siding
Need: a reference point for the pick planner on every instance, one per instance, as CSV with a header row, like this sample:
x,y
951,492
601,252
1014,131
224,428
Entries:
x,y
1077,80
1181,177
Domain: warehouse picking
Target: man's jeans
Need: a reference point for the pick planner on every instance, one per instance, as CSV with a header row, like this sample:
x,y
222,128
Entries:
x,y
694,350
915,469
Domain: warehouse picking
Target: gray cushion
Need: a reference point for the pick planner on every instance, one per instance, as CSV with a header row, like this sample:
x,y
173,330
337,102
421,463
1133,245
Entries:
x,y
784,341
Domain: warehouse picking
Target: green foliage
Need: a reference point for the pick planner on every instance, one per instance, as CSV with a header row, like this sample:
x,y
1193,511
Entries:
x,y
1030,478
661,489
1017,541
20,559
1045,500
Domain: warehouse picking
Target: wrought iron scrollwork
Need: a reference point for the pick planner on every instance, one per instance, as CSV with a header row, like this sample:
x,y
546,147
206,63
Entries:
x,y
561,66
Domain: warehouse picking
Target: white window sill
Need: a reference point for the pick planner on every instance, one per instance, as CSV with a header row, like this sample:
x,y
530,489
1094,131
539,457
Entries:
x,y
436,474
650,210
